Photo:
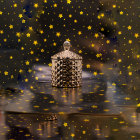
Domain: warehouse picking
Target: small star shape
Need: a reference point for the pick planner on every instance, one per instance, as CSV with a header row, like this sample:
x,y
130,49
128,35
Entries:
x,y
89,27
11,26
1,12
60,15
129,27
28,34
20,15
136,35
51,26
35,42
121,13
58,34
68,1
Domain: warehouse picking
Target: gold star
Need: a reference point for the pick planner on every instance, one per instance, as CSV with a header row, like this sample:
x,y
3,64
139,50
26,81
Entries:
x,y
127,98
11,57
68,39
80,51
45,1
94,106
102,29
114,50
35,5
20,71
95,73
1,32
108,41
130,41
31,52
18,34
72,134
27,62
15,5
30,28
55,5
98,55
121,13
37,59
12,76
11,26
50,64
45,39
89,27
129,27
92,45
81,13
75,21
119,60
79,33
6,73
28,34
96,35
88,66
138,105
114,6
136,35
51,26
41,31
4,39
119,33
54,44
29,70
70,16
102,14
114,22
65,124
23,21
130,73
22,48
138,56
60,15
86,120
26,80
58,34
42,50
1,12
20,16
35,42
68,1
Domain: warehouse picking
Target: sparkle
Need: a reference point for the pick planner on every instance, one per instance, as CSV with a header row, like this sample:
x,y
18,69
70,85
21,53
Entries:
x,y
60,15
27,62
51,26
68,1
11,26
28,34
81,13
20,15
129,27
96,35
1,12
36,5
35,42
89,27
58,34
136,35
121,13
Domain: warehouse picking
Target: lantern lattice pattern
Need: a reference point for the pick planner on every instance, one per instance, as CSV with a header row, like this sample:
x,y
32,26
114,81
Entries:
x,y
66,68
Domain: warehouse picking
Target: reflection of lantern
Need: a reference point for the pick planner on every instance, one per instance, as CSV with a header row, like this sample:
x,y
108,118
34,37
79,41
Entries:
x,y
66,68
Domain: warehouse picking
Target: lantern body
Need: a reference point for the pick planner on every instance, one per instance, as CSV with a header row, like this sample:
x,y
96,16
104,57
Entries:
x,y
66,68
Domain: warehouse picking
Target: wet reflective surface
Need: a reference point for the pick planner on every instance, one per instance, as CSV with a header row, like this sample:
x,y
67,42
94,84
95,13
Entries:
x,y
99,109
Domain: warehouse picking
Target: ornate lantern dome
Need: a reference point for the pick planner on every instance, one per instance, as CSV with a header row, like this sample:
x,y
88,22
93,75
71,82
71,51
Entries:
x,y
66,68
